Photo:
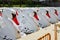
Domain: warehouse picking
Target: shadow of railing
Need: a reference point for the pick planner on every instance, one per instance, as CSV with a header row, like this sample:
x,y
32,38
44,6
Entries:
x,y
45,37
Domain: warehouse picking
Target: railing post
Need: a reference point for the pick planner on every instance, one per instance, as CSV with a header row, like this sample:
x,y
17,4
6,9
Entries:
x,y
55,32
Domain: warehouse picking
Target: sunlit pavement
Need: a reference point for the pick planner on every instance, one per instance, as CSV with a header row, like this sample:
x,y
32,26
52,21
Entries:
x,y
41,32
